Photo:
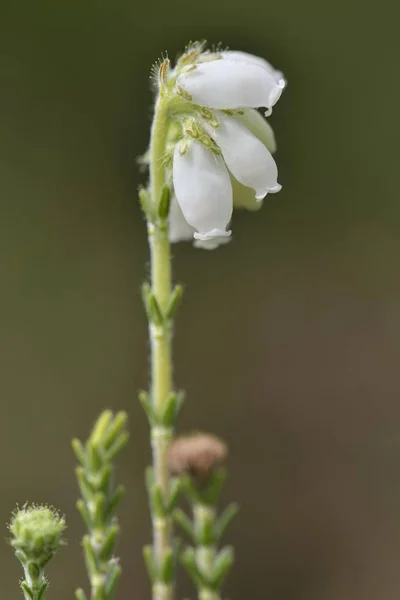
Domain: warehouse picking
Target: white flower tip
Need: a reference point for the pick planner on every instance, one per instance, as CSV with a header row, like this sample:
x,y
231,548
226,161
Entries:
x,y
211,244
282,83
271,190
276,188
275,95
209,235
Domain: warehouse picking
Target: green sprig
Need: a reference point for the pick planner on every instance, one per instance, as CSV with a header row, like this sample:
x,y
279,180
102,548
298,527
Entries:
x,y
207,567
99,502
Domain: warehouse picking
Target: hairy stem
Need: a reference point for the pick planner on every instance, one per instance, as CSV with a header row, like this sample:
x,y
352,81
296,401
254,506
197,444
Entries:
x,y
160,338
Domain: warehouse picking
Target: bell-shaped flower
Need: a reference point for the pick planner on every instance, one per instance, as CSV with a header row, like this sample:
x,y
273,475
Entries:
x,y
224,83
203,189
247,158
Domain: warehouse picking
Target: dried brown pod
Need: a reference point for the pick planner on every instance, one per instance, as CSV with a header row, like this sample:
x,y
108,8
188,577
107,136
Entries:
x,y
197,454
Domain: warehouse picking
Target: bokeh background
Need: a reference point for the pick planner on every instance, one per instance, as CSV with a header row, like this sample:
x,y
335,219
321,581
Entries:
x,y
288,340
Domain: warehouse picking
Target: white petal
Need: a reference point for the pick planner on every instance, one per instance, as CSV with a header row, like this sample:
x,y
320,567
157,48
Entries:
x,y
252,59
249,161
231,84
179,228
203,190
259,127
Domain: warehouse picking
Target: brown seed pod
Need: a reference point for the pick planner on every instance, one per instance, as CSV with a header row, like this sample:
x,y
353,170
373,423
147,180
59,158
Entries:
x,y
196,454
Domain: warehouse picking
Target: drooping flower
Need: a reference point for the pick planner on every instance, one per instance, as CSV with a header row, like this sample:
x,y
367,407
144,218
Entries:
x,y
249,161
203,189
226,82
221,146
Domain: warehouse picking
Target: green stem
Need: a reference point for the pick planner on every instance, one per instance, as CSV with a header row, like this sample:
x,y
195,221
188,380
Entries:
x,y
35,585
160,337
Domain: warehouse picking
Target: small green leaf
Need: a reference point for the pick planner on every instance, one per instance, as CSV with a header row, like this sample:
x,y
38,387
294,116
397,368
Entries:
x,y
144,199
204,531
153,310
184,522
222,564
225,520
90,557
27,590
157,501
188,559
104,478
100,427
42,590
167,567
117,445
164,203
20,555
108,545
113,576
81,506
86,489
79,451
94,457
172,407
99,502
115,428
113,502
174,302
150,563
145,401
80,594
216,483
173,493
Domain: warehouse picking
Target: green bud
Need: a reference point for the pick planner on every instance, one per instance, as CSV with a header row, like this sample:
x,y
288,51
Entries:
x,y
37,533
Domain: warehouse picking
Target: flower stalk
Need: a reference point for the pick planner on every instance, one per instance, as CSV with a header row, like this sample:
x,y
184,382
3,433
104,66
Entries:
x,y
161,404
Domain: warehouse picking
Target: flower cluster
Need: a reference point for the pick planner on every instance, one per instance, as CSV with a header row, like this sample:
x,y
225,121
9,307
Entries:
x,y
220,145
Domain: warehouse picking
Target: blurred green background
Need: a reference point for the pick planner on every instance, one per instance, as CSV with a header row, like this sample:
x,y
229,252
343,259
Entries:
x,y
288,340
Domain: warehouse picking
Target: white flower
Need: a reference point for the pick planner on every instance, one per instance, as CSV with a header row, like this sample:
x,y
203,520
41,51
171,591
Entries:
x,y
203,189
249,161
228,83
224,157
